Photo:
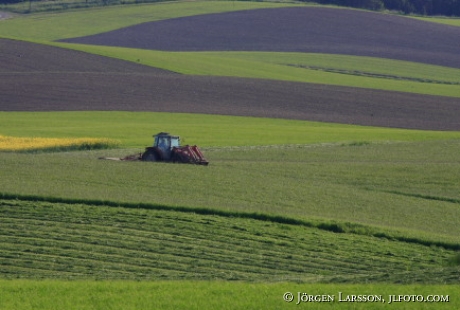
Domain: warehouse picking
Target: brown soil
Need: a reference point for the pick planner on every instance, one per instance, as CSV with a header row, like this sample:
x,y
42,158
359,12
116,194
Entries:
x,y
43,78
309,29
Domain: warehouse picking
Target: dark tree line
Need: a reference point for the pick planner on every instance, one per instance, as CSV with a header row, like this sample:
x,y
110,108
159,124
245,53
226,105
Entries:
x,y
419,7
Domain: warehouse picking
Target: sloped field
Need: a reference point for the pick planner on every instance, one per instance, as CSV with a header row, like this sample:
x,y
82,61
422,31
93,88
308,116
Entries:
x,y
381,212
58,240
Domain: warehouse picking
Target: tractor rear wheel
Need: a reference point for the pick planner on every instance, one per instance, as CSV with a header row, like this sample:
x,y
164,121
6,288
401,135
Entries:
x,y
149,155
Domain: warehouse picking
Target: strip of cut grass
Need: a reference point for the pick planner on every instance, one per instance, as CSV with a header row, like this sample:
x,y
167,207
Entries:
x,y
42,240
204,295
135,129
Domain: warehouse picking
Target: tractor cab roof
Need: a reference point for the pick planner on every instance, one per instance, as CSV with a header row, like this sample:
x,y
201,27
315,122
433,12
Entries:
x,y
165,134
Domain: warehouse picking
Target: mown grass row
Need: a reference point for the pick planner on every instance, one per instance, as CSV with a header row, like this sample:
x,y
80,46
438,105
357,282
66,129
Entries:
x,y
57,240
325,225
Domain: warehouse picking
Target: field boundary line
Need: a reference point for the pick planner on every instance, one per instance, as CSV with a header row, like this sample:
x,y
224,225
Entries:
x,y
428,197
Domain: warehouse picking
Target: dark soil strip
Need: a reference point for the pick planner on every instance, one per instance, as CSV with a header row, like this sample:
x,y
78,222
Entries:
x,y
20,56
309,29
42,78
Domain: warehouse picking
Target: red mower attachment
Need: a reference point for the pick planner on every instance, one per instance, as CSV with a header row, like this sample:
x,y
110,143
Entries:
x,y
188,154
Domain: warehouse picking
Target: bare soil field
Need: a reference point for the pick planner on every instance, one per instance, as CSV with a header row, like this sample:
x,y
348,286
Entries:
x,y
309,29
36,77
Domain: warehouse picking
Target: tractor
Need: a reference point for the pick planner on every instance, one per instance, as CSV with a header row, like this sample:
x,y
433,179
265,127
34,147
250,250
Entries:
x,y
167,148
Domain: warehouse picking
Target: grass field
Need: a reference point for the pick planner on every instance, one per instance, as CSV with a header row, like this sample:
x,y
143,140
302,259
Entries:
x,y
284,206
207,295
307,180
77,241
203,130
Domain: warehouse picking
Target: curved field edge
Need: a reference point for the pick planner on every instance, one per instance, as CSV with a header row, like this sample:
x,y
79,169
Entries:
x,y
52,26
80,241
440,20
203,130
76,23
334,226
27,294
340,70
49,27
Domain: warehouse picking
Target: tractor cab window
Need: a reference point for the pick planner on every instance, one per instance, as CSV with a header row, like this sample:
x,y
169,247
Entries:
x,y
162,142
175,142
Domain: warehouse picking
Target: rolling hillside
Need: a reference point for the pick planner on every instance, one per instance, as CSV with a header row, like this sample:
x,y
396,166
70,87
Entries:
x,y
283,200
45,78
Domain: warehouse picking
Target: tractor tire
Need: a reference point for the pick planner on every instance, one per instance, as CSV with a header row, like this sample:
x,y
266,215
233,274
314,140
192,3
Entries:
x,y
150,155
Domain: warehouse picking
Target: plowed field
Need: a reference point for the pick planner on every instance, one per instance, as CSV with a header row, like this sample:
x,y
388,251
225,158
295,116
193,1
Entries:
x,y
42,78
313,30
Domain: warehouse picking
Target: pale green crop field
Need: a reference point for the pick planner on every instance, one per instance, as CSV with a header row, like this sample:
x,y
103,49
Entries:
x,y
454,21
363,72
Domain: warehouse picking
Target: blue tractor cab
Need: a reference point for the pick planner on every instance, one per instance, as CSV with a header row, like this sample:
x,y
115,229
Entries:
x,y
165,143
161,150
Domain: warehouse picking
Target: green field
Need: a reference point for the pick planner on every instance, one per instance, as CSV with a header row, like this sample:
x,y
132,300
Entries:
x,y
333,203
344,182
209,295
203,130
284,206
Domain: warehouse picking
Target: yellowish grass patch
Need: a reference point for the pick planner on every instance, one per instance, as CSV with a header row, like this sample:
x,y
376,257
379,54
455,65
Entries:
x,y
8,143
